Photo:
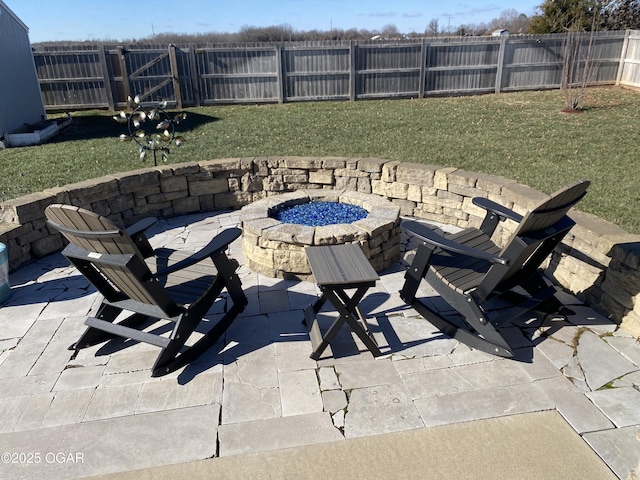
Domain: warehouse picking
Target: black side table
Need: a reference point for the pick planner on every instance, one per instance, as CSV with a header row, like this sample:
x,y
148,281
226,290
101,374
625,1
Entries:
x,y
337,268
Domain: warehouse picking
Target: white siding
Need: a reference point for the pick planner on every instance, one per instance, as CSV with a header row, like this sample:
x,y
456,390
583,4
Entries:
x,y
20,99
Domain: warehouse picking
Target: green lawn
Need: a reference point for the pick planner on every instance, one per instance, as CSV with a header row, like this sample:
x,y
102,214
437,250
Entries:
x,y
522,136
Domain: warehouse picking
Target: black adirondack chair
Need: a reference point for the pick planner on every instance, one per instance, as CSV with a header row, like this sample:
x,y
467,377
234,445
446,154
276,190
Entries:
x,y
471,272
148,286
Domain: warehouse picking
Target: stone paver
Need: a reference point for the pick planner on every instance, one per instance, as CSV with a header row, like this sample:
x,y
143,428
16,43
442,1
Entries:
x,y
79,377
434,383
300,392
243,403
20,361
494,374
276,434
274,301
34,411
557,352
287,326
627,346
109,402
380,409
366,373
480,404
328,379
258,390
619,448
294,354
68,407
167,394
15,321
575,407
600,362
54,358
29,385
621,405
58,309
114,445
10,410
334,400
41,332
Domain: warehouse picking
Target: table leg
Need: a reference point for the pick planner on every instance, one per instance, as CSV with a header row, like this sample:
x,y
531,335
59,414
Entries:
x,y
350,313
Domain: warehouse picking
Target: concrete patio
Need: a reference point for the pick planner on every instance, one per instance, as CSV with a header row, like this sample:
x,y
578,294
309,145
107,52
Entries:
x,y
99,412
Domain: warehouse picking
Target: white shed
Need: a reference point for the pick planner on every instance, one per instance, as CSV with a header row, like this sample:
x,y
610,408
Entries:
x,y
20,98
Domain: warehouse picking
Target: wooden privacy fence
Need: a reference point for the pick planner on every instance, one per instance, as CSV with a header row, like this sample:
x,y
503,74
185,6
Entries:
x,y
73,77
629,71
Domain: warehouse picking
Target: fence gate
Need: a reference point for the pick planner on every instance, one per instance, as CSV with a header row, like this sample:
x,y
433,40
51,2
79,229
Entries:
x,y
150,74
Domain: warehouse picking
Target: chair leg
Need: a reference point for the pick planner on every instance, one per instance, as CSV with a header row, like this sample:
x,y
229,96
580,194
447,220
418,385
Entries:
x,y
415,273
474,329
493,344
174,356
227,271
171,358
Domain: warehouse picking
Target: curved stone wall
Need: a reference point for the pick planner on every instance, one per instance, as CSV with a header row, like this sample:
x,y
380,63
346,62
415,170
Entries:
x,y
598,261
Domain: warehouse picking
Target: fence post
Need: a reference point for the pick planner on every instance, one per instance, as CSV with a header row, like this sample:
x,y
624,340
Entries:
x,y
353,60
623,56
125,75
107,77
503,47
175,75
195,76
423,67
280,73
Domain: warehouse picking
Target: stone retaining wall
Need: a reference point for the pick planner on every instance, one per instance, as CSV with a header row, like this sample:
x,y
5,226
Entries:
x,y
598,261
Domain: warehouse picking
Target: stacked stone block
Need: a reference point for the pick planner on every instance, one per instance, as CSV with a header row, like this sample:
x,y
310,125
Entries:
x,y
276,249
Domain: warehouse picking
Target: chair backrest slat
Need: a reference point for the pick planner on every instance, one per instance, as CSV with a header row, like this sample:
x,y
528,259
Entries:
x,y
550,211
96,236
127,283
538,233
102,238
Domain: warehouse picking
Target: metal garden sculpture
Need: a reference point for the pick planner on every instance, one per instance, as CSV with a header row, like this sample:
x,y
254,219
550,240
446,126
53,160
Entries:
x,y
161,124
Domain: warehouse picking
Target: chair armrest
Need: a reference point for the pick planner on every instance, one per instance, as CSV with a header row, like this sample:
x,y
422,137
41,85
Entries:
x,y
500,210
141,225
219,243
429,236
136,232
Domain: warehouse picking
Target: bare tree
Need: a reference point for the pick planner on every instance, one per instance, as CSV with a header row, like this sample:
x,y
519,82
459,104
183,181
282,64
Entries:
x,y
578,68
511,20
390,31
433,28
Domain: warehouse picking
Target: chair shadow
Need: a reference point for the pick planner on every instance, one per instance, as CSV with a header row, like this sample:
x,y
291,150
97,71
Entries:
x,y
28,289
343,344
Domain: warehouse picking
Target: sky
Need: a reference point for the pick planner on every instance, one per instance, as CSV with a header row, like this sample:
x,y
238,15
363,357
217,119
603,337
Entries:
x,y
114,20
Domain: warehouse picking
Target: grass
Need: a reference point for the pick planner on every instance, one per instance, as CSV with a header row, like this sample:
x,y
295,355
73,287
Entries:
x,y
522,136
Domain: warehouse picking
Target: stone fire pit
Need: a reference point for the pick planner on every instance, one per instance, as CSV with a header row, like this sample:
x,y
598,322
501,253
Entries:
x,y
276,249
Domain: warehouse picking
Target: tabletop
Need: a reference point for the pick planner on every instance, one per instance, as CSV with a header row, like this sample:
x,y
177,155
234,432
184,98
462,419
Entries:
x,y
340,265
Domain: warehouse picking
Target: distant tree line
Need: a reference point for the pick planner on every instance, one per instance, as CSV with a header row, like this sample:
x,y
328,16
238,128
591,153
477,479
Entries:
x,y
552,16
